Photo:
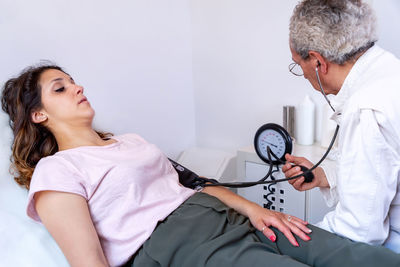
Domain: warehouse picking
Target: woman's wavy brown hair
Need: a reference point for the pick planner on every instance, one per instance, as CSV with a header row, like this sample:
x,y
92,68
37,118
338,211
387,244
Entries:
x,y
32,141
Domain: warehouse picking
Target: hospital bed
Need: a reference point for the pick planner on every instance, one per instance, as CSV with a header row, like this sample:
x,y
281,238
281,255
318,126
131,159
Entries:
x,y
23,242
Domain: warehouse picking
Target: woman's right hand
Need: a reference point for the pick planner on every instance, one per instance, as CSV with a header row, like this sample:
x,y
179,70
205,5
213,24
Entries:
x,y
290,170
262,219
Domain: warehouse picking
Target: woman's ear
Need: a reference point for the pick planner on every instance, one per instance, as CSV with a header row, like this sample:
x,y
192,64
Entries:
x,y
38,117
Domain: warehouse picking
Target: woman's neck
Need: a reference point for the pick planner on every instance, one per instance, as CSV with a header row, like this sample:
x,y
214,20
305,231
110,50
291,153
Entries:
x,y
85,136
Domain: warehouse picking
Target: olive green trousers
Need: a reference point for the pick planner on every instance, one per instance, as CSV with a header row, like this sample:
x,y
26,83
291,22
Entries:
x,y
205,232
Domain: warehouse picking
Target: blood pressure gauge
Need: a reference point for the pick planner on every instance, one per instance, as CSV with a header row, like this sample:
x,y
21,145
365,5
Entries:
x,y
277,139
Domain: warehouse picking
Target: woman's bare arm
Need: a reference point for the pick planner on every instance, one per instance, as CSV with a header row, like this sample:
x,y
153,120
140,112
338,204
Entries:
x,y
66,216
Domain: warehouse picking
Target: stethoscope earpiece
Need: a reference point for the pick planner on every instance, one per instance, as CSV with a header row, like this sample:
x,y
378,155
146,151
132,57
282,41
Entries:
x,y
318,65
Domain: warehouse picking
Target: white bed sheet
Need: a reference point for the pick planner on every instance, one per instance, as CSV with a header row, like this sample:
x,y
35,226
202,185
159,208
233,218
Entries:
x,y
23,242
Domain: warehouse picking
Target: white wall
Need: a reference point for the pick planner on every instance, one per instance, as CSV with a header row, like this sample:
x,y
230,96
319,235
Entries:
x,y
171,70
387,12
240,66
133,57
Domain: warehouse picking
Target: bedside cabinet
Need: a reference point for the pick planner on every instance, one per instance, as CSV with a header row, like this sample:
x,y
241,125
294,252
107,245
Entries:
x,y
309,205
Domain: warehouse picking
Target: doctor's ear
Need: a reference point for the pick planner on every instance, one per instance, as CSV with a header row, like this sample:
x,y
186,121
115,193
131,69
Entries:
x,y
318,61
38,117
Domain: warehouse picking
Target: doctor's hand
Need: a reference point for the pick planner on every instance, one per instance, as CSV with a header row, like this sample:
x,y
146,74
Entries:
x,y
299,184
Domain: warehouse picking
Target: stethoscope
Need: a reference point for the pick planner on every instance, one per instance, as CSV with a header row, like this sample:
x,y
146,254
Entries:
x,y
271,143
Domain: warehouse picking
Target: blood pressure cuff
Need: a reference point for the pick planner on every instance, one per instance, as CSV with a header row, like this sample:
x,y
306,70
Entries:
x,y
188,178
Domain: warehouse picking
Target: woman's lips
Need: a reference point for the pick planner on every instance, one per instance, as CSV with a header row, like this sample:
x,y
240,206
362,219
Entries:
x,y
82,100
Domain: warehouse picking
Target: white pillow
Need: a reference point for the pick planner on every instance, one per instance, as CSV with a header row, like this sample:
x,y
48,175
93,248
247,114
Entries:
x,y
23,242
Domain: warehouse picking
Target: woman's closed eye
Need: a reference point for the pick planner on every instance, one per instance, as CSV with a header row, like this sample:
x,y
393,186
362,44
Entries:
x,y
59,90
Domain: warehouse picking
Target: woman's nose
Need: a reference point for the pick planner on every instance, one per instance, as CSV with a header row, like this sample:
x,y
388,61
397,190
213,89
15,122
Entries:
x,y
79,89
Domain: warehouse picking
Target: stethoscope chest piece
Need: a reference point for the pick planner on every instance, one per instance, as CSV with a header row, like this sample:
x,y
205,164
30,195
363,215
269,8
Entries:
x,y
277,139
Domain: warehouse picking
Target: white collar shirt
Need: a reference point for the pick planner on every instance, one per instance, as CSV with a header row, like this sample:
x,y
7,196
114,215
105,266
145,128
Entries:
x,y
364,183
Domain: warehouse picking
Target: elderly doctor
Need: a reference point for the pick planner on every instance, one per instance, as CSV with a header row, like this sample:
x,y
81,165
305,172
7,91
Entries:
x,y
335,40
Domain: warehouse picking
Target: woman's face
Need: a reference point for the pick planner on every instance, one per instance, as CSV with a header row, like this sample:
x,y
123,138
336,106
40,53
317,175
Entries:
x,y
63,102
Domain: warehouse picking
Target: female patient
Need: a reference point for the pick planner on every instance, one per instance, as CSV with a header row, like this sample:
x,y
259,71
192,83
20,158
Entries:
x,y
114,200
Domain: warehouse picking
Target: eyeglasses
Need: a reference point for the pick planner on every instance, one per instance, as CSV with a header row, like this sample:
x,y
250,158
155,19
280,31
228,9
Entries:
x,y
295,69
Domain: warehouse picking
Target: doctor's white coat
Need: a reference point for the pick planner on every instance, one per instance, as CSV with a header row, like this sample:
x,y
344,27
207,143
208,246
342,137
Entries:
x,y
364,184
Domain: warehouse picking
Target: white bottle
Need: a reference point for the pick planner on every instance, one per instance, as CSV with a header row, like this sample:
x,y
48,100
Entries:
x,y
328,126
305,121
319,116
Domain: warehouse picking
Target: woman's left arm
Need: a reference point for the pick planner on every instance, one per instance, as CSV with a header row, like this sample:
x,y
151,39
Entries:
x,y
262,218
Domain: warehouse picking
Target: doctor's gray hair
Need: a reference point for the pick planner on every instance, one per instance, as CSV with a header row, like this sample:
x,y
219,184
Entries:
x,y
337,29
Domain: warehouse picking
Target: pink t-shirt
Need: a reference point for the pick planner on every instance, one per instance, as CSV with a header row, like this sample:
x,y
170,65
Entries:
x,y
129,186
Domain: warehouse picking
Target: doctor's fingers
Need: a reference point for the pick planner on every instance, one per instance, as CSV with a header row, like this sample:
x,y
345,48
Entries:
x,y
292,172
294,159
287,167
300,185
298,160
296,183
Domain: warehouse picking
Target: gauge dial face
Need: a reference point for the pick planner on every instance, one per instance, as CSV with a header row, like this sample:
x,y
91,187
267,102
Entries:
x,y
277,139
273,140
